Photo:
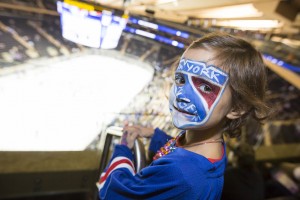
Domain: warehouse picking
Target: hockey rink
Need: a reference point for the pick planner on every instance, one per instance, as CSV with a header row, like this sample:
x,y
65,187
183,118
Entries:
x,y
63,106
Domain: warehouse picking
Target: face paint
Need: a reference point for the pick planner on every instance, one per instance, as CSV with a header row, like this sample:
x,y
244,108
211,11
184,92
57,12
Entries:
x,y
195,93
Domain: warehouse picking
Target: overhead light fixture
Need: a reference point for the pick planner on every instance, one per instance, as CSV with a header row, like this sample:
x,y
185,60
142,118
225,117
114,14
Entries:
x,y
161,2
236,11
249,24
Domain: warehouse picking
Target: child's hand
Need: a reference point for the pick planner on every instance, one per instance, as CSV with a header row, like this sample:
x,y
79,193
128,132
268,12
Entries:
x,y
130,133
140,130
128,138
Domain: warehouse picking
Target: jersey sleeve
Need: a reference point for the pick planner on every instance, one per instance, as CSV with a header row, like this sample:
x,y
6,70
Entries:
x,y
161,180
159,139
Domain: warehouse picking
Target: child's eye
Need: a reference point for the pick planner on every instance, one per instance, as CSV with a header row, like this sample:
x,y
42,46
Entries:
x,y
179,79
205,88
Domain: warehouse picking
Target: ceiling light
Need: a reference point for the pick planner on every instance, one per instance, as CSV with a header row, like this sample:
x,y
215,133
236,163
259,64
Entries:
x,y
237,11
160,2
249,24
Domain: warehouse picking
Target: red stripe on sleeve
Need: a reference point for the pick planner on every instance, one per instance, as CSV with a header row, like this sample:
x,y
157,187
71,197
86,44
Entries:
x,y
113,166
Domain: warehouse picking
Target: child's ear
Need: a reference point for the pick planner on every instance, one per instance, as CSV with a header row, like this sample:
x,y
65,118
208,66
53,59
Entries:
x,y
233,114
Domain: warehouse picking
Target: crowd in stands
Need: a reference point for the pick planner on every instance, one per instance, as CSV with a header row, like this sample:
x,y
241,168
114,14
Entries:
x,y
25,39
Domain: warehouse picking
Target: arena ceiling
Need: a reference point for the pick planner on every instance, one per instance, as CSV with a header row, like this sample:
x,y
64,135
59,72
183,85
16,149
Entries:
x,y
226,13
282,15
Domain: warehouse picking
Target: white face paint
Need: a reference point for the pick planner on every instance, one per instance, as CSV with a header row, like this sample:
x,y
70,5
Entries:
x,y
195,93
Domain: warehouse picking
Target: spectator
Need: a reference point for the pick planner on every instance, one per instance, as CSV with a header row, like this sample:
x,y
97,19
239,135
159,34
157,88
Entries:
x,y
215,90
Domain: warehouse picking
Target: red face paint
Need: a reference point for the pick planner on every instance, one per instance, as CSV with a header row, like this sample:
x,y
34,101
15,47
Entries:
x,y
206,89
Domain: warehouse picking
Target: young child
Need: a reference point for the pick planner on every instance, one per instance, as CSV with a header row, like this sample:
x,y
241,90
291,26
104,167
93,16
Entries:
x,y
219,82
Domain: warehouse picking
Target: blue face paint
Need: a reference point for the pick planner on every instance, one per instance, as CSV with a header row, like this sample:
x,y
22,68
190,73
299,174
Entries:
x,y
195,93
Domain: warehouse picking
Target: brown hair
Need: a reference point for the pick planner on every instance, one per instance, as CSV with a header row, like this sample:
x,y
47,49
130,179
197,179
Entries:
x,y
247,76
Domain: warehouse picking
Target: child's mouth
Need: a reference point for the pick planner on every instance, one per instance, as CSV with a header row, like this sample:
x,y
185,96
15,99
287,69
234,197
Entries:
x,y
182,111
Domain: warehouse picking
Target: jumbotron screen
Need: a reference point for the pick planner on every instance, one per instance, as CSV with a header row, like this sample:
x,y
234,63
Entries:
x,y
90,28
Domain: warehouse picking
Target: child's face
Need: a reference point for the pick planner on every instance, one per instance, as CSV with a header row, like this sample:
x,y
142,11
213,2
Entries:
x,y
197,96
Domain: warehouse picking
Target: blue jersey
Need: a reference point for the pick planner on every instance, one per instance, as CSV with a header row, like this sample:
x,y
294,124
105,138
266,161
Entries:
x,y
181,174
